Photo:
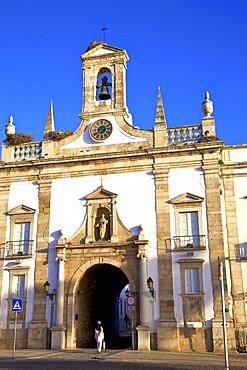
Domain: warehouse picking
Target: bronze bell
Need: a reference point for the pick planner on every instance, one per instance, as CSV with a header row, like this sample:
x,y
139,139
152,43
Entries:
x,y
104,93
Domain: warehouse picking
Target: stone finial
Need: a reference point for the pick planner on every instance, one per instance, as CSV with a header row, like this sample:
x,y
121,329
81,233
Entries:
x,y
141,233
61,239
49,122
160,118
207,105
10,128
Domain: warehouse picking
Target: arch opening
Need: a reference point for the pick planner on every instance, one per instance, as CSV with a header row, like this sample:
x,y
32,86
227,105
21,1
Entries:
x,y
104,84
97,299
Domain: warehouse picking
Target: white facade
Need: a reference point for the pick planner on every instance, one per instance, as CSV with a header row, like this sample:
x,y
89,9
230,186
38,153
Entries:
x,y
172,201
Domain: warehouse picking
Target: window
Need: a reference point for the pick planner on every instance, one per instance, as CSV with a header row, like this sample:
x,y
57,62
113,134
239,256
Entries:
x,y
192,289
188,222
192,282
21,231
18,279
189,229
21,237
18,286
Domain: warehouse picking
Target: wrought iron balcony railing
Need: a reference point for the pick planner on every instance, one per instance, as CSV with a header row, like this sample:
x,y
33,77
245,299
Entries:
x,y
190,241
19,248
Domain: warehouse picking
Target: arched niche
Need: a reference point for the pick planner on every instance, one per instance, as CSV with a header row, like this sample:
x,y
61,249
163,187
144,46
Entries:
x,y
99,202
102,218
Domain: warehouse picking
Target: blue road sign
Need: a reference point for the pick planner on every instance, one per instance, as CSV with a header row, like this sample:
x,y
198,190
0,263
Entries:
x,y
17,304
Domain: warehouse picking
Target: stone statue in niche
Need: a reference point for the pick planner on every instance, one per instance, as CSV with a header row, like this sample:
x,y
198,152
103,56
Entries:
x,y
102,226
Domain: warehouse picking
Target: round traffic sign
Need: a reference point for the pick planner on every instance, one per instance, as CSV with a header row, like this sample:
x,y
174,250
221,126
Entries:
x,y
131,301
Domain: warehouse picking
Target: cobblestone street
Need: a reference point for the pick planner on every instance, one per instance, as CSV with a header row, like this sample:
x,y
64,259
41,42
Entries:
x,y
117,359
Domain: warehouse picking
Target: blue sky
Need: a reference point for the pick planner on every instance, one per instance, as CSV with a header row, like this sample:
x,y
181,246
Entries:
x,y
186,47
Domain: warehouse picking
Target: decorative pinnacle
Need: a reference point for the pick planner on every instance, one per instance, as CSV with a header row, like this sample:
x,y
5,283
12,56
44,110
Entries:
x,y
49,121
10,128
101,181
207,106
160,113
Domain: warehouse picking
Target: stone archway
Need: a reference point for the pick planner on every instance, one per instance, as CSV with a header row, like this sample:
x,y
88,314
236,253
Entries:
x,y
97,299
93,295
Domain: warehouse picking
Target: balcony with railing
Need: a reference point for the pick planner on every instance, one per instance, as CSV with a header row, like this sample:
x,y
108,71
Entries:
x,y
189,242
20,248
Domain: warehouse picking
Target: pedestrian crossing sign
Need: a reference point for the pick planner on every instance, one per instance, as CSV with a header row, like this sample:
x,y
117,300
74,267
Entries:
x,y
17,304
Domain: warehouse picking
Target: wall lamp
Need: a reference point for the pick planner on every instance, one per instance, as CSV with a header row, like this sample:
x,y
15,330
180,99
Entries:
x,y
47,288
150,284
127,293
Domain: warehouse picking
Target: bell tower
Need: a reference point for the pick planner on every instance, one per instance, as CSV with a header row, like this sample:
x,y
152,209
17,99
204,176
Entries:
x,y
104,80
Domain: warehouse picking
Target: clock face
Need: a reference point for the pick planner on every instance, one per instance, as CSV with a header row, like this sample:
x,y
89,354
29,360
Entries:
x,y
101,129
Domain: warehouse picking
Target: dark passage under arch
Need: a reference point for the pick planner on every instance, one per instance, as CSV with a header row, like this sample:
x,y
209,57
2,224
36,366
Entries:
x,y
96,299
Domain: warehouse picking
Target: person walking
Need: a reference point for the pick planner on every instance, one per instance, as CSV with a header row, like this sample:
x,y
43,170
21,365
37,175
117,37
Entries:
x,y
99,336
126,320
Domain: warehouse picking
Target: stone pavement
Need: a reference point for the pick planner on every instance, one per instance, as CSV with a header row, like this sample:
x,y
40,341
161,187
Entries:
x,y
117,359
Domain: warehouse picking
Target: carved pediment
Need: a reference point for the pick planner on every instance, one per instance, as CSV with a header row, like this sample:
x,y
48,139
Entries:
x,y
187,198
96,49
20,210
101,193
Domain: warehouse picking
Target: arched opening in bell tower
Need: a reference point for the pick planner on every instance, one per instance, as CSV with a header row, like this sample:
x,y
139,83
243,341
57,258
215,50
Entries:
x,y
104,84
97,299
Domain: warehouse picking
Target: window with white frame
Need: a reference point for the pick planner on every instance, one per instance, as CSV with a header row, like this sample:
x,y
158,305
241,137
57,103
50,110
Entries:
x,y
188,221
192,280
192,290
21,237
18,279
189,229
18,286
21,231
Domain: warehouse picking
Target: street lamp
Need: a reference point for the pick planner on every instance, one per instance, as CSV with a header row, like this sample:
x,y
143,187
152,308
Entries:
x,y
127,292
47,288
150,284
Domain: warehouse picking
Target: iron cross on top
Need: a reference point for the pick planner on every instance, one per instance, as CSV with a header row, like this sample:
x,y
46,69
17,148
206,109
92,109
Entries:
x,y
104,29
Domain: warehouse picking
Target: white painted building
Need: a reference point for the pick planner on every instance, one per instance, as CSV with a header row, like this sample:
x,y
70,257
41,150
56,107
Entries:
x,y
89,212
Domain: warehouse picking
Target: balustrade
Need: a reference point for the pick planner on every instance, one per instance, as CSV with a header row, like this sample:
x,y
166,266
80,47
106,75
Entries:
x,y
184,133
29,150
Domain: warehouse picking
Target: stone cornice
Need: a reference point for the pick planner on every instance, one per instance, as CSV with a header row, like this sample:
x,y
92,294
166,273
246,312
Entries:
x,y
181,150
103,244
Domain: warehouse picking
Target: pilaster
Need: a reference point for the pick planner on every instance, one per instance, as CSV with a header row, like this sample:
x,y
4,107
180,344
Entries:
x,y
215,228
167,334
58,331
37,335
4,191
237,289
216,247
143,328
